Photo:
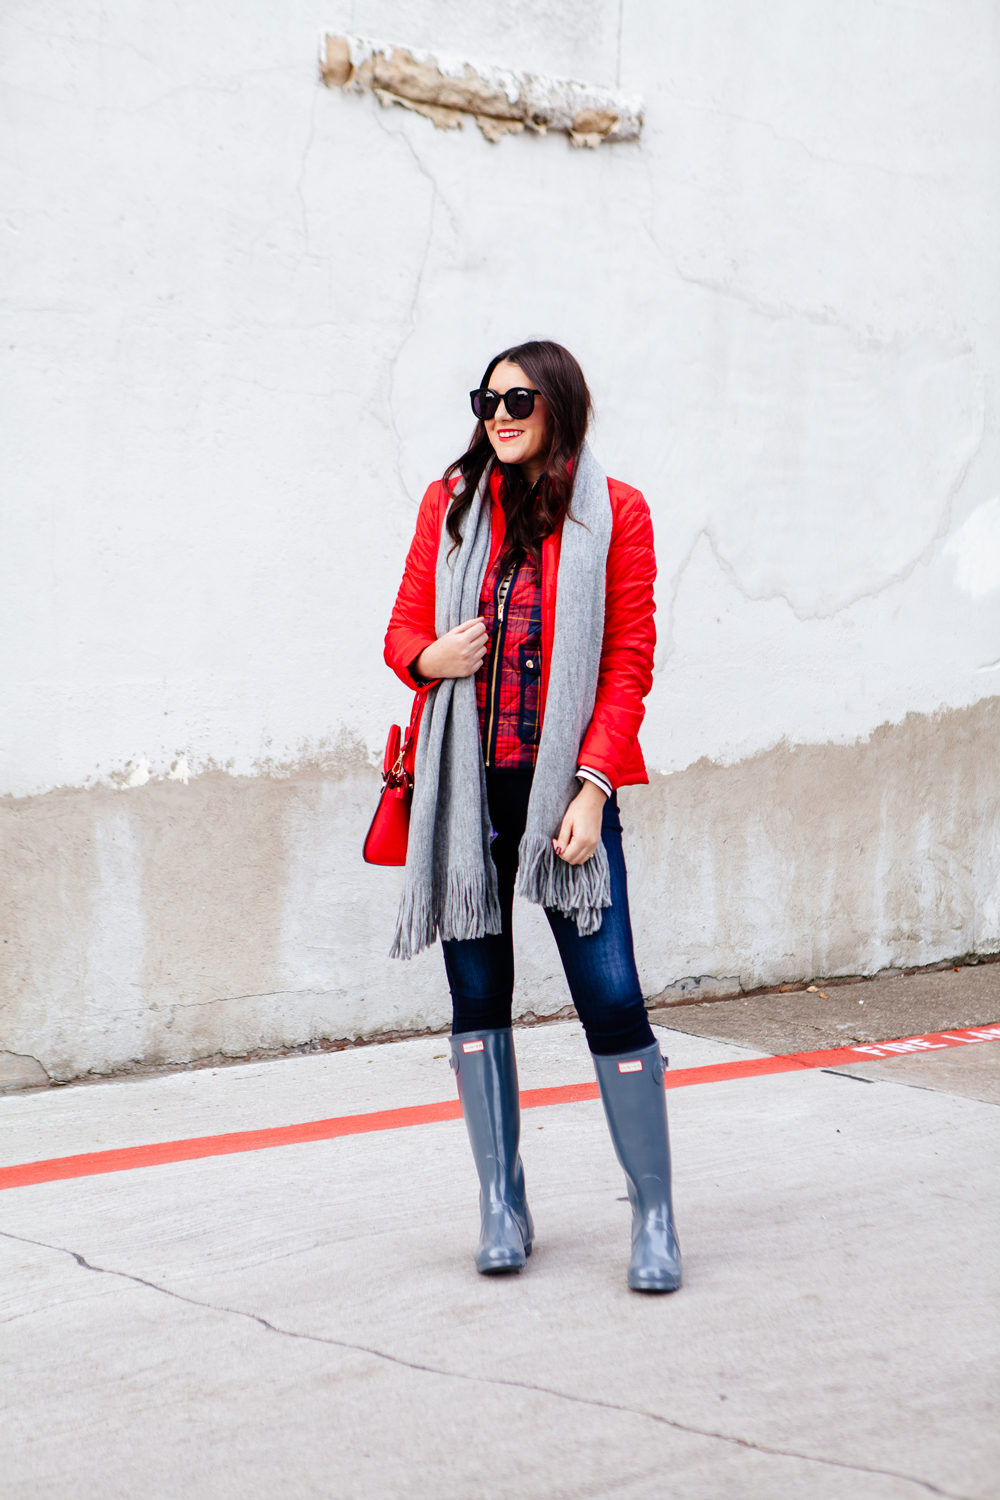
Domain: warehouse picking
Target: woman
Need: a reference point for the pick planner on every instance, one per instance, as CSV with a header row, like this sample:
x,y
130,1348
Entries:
x,y
526,614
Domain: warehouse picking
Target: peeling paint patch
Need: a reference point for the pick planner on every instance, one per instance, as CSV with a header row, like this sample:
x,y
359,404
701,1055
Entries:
x,y
140,773
976,550
448,91
180,770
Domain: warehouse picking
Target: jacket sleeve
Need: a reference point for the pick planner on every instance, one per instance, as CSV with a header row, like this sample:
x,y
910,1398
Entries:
x,y
626,671
411,626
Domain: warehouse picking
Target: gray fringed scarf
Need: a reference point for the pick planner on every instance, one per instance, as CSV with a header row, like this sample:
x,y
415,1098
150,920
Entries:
x,y
450,886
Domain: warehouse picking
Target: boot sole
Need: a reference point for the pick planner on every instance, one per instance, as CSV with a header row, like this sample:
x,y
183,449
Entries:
x,y
510,1262
659,1284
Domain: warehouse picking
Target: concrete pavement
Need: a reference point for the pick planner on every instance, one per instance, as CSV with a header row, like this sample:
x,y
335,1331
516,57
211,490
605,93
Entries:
x,y
306,1321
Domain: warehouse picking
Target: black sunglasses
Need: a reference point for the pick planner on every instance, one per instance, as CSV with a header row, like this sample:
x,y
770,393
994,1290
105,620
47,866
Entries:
x,y
519,401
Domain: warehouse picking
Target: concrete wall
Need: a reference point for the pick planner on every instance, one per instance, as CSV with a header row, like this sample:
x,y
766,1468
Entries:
x,y
244,310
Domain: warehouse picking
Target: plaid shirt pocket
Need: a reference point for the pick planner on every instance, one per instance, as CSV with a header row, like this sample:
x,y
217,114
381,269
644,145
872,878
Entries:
x,y
530,675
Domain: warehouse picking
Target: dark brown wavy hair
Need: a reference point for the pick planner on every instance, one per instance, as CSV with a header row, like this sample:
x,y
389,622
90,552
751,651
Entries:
x,y
531,513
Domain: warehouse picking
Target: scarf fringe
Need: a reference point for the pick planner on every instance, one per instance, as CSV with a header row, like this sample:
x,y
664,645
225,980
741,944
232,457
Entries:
x,y
465,905
578,891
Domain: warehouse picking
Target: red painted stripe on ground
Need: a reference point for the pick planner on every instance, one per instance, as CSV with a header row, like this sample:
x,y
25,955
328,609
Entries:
x,y
128,1158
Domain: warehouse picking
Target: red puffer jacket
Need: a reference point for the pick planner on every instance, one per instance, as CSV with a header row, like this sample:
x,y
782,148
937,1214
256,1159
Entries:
x,y
611,743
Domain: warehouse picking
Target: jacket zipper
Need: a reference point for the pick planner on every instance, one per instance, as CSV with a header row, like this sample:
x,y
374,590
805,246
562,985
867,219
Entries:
x,y
504,587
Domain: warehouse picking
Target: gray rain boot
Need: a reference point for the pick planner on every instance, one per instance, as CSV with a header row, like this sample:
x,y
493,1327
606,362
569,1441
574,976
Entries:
x,y
635,1103
486,1073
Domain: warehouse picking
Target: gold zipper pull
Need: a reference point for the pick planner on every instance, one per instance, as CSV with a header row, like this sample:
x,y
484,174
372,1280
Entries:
x,y
503,591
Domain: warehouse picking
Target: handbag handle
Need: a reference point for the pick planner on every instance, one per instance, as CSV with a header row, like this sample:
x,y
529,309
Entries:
x,y
400,752
391,756
408,753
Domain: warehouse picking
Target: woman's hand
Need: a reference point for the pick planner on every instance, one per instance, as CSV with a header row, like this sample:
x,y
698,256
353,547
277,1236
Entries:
x,y
460,653
580,830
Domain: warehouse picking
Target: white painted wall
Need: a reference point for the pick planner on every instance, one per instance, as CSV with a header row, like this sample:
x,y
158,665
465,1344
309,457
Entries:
x,y
242,313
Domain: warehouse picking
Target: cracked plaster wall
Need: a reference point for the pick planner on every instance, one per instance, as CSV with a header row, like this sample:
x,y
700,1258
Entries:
x,y
244,311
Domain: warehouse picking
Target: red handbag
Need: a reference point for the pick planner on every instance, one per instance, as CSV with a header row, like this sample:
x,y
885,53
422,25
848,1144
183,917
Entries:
x,y
386,840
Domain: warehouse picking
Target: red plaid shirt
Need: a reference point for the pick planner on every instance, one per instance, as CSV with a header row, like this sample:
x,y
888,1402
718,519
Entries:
x,y
508,683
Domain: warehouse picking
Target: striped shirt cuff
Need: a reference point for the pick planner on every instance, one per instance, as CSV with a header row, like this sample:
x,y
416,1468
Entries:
x,y
586,774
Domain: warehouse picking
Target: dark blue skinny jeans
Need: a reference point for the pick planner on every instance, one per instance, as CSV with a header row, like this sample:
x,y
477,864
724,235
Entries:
x,y
600,969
